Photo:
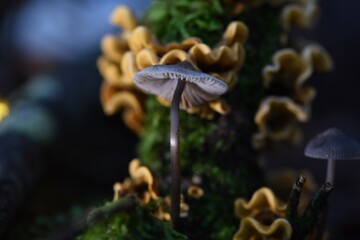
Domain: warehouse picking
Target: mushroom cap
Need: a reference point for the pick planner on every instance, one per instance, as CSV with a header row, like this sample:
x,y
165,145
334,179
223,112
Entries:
x,y
161,80
333,144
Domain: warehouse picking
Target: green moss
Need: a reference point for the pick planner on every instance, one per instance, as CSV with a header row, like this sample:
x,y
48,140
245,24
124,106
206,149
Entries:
x,y
154,144
167,20
139,225
114,228
154,149
175,21
213,214
180,19
194,132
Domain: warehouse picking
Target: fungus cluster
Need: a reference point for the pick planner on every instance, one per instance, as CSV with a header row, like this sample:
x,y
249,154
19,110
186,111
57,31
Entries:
x,y
300,14
289,100
137,48
141,184
276,120
262,216
143,187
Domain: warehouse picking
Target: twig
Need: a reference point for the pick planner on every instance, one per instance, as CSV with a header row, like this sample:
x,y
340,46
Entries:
x,y
317,205
306,222
294,198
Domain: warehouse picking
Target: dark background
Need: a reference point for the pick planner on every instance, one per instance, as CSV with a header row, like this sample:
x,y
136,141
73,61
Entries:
x,y
336,104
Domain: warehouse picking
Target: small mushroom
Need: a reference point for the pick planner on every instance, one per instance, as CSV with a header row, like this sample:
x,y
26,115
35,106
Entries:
x,y
195,192
333,145
186,87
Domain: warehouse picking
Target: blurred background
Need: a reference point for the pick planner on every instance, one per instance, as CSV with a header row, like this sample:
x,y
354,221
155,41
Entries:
x,y
57,42
338,95
48,54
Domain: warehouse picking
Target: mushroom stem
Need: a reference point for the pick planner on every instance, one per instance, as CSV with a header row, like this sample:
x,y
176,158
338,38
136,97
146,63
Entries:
x,y
174,151
330,171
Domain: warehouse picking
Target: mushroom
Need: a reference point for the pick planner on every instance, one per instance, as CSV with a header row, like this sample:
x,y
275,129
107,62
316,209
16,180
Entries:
x,y
333,145
186,87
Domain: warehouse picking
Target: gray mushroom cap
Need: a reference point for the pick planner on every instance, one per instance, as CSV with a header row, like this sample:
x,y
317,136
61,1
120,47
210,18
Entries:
x,y
161,80
333,144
